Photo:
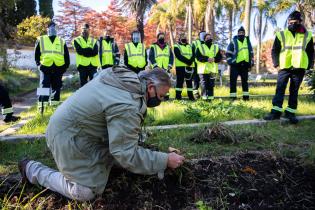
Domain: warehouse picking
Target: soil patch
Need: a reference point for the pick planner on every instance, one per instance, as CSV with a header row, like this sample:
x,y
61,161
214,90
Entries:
x,y
252,180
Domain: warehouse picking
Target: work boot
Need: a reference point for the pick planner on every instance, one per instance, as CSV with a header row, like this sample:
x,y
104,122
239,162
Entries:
x,y
178,95
191,96
11,118
291,117
196,95
246,98
22,168
273,116
166,98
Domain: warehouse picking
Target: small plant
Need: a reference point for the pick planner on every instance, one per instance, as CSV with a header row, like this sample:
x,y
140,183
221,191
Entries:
x,y
202,206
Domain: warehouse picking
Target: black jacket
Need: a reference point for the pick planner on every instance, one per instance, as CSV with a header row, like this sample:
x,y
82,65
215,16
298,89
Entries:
x,y
86,52
131,67
152,56
182,58
116,55
276,49
202,58
53,67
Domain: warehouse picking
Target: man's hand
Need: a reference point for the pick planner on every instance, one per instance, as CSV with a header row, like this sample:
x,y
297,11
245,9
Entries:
x,y
210,60
174,160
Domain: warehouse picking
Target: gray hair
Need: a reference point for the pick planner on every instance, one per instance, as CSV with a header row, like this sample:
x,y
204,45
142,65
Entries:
x,y
157,76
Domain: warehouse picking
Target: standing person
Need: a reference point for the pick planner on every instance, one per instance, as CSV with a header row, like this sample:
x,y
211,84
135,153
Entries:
x,y
240,57
52,59
88,135
87,59
201,37
184,62
7,109
208,56
135,56
292,54
161,55
108,52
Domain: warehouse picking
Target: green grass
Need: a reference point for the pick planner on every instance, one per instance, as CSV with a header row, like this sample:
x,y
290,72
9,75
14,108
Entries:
x,y
19,81
287,140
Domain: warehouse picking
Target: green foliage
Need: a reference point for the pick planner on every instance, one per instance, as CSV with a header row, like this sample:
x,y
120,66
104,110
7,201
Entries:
x,y
202,206
46,8
31,28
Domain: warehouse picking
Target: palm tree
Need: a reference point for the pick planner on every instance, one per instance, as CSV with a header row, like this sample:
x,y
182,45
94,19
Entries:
x,y
138,8
210,17
232,8
264,15
248,10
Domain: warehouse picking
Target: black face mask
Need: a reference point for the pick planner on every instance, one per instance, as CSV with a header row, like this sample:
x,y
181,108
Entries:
x,y
241,37
161,40
154,101
208,42
184,41
294,27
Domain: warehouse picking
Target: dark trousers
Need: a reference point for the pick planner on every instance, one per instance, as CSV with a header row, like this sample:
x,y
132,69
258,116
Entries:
x,y
51,79
243,73
296,78
5,101
207,86
181,74
196,80
86,72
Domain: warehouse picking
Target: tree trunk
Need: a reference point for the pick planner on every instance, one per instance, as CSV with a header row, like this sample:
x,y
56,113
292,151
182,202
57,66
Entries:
x,y
259,44
248,9
189,23
171,34
140,26
230,24
209,18
4,65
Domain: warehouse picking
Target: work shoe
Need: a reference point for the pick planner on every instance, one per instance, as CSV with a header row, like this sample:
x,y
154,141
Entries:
x,y
273,116
11,118
291,117
22,168
246,98
191,98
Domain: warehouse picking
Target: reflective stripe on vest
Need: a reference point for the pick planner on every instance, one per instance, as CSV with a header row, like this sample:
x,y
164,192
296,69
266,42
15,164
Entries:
x,y
206,67
136,55
107,53
293,49
86,61
243,52
51,53
161,56
185,51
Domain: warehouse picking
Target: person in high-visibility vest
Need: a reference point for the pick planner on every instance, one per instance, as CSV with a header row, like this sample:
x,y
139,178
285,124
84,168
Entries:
x,y
240,57
208,56
135,56
292,54
184,62
161,54
196,79
52,59
7,109
87,59
108,52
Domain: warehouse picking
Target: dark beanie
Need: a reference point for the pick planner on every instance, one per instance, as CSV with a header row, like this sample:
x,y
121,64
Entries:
x,y
296,15
241,29
85,26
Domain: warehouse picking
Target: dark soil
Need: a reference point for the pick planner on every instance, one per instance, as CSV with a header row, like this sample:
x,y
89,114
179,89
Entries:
x,y
251,180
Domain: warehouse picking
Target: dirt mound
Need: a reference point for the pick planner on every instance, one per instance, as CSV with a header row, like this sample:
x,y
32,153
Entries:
x,y
245,181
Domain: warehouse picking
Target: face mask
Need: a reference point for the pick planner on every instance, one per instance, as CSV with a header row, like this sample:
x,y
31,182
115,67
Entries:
x,y
241,37
161,40
184,41
107,38
85,34
154,101
202,36
136,38
51,31
209,41
294,27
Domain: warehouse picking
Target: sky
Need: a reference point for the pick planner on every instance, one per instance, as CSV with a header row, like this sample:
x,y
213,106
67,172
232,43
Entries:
x,y
101,5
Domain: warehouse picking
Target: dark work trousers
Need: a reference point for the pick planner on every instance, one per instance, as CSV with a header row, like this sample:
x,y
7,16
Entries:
x,y
5,101
236,71
86,72
207,86
51,79
196,80
296,78
181,76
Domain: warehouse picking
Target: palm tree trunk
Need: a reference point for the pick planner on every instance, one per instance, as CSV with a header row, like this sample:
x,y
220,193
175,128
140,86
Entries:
x,y
259,43
171,34
209,18
189,23
230,24
248,9
140,26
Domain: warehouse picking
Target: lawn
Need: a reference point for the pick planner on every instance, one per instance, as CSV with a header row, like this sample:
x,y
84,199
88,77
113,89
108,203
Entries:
x,y
19,81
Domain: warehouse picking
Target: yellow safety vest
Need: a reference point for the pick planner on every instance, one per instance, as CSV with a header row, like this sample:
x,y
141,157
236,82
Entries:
x,y
136,55
185,51
206,67
243,52
85,61
107,53
51,53
293,49
162,57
